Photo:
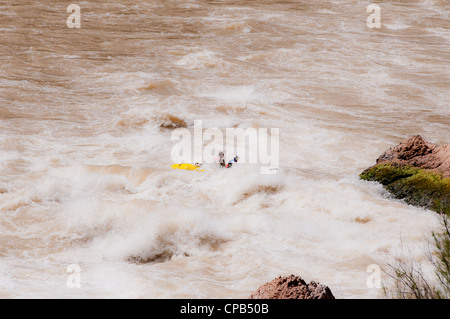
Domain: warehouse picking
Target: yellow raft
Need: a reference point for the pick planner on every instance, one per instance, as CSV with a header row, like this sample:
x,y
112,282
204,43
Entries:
x,y
187,167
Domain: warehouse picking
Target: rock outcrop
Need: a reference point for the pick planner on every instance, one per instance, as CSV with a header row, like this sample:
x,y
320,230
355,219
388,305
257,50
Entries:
x,y
292,287
417,172
416,152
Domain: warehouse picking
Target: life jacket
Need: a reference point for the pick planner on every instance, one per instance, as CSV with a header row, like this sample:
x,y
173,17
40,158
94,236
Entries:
x,y
230,163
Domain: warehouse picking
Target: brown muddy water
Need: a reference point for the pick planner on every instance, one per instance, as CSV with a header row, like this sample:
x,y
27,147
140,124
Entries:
x,y
85,148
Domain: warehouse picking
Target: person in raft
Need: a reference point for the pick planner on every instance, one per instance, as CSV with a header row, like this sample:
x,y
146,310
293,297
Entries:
x,y
234,160
221,159
230,163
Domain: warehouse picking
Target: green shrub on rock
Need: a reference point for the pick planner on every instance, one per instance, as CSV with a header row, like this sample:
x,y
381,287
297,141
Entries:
x,y
414,185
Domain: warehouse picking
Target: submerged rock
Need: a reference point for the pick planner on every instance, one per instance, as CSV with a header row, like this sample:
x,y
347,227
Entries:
x,y
171,122
417,172
292,287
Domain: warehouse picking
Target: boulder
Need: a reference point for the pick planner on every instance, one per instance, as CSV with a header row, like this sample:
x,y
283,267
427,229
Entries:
x,y
292,287
417,172
416,152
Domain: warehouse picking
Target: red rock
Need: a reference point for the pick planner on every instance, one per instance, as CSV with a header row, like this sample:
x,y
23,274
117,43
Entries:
x,y
292,287
415,151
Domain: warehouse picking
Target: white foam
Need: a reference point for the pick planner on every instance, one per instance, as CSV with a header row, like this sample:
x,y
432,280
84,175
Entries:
x,y
241,94
441,32
88,178
396,26
199,60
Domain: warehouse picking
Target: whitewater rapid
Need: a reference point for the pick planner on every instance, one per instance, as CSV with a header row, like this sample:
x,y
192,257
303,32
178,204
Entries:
x,y
86,117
